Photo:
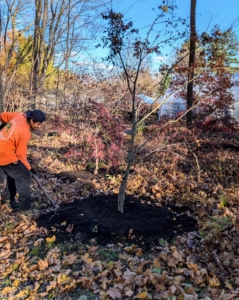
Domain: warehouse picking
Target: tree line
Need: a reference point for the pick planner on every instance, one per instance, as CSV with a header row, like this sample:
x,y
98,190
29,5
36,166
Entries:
x,y
41,56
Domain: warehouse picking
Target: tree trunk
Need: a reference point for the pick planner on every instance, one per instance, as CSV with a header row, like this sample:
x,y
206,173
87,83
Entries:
x,y
1,110
1,91
36,54
191,62
122,189
123,184
41,17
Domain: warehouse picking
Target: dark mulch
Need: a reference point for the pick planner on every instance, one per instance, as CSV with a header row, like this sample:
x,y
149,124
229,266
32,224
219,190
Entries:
x,y
97,218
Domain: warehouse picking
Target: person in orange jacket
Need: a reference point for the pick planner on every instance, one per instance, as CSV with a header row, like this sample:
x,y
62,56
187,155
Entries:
x,y
14,137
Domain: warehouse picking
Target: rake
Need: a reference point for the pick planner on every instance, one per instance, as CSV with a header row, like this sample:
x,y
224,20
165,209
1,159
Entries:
x,y
44,191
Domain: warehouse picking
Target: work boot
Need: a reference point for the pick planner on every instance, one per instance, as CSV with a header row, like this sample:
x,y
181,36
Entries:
x,y
14,205
33,213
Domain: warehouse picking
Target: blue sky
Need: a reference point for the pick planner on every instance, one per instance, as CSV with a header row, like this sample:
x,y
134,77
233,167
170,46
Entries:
x,y
209,13
222,12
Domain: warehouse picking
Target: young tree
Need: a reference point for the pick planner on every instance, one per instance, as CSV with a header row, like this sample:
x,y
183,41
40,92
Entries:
x,y
128,52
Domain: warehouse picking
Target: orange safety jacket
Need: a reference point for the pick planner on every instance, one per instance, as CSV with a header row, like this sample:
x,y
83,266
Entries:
x,y
14,138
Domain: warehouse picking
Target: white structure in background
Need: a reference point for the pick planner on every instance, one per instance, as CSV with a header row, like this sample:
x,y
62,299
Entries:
x,y
172,105
146,99
234,111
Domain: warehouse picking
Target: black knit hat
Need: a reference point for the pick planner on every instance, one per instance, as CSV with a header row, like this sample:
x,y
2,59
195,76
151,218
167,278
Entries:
x,y
36,115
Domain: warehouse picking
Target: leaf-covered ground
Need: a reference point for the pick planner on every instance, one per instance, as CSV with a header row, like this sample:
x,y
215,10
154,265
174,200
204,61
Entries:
x,y
38,263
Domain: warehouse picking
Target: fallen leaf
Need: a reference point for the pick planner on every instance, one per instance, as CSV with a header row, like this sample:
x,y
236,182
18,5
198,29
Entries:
x,y
4,238
143,295
51,240
85,282
70,287
16,283
118,272
139,252
110,264
36,286
86,258
114,293
70,228
8,290
51,286
213,281
156,263
5,254
129,293
43,264
22,294
70,259
45,294
63,279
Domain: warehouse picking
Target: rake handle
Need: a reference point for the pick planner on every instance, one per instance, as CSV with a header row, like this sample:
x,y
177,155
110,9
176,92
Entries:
x,y
44,191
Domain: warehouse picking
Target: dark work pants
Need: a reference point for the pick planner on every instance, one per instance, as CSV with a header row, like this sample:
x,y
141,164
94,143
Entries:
x,y
19,180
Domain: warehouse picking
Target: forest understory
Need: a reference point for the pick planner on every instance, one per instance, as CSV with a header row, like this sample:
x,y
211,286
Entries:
x,y
177,239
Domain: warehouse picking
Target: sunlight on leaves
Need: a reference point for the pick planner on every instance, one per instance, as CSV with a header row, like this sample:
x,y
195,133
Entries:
x,y
8,290
22,294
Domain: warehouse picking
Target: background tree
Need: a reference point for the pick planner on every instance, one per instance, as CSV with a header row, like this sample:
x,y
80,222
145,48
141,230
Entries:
x,y
62,30
54,35
11,55
214,65
225,46
192,50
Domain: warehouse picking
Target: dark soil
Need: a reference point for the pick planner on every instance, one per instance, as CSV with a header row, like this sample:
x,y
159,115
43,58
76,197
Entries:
x,y
97,218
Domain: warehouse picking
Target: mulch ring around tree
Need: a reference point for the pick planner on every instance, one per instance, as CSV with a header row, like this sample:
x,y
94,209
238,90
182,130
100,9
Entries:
x,y
97,218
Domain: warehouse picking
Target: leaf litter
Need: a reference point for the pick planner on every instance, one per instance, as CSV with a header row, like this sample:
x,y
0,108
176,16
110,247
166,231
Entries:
x,y
56,259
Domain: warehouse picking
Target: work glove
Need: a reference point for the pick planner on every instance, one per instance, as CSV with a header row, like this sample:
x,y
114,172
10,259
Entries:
x,y
33,171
